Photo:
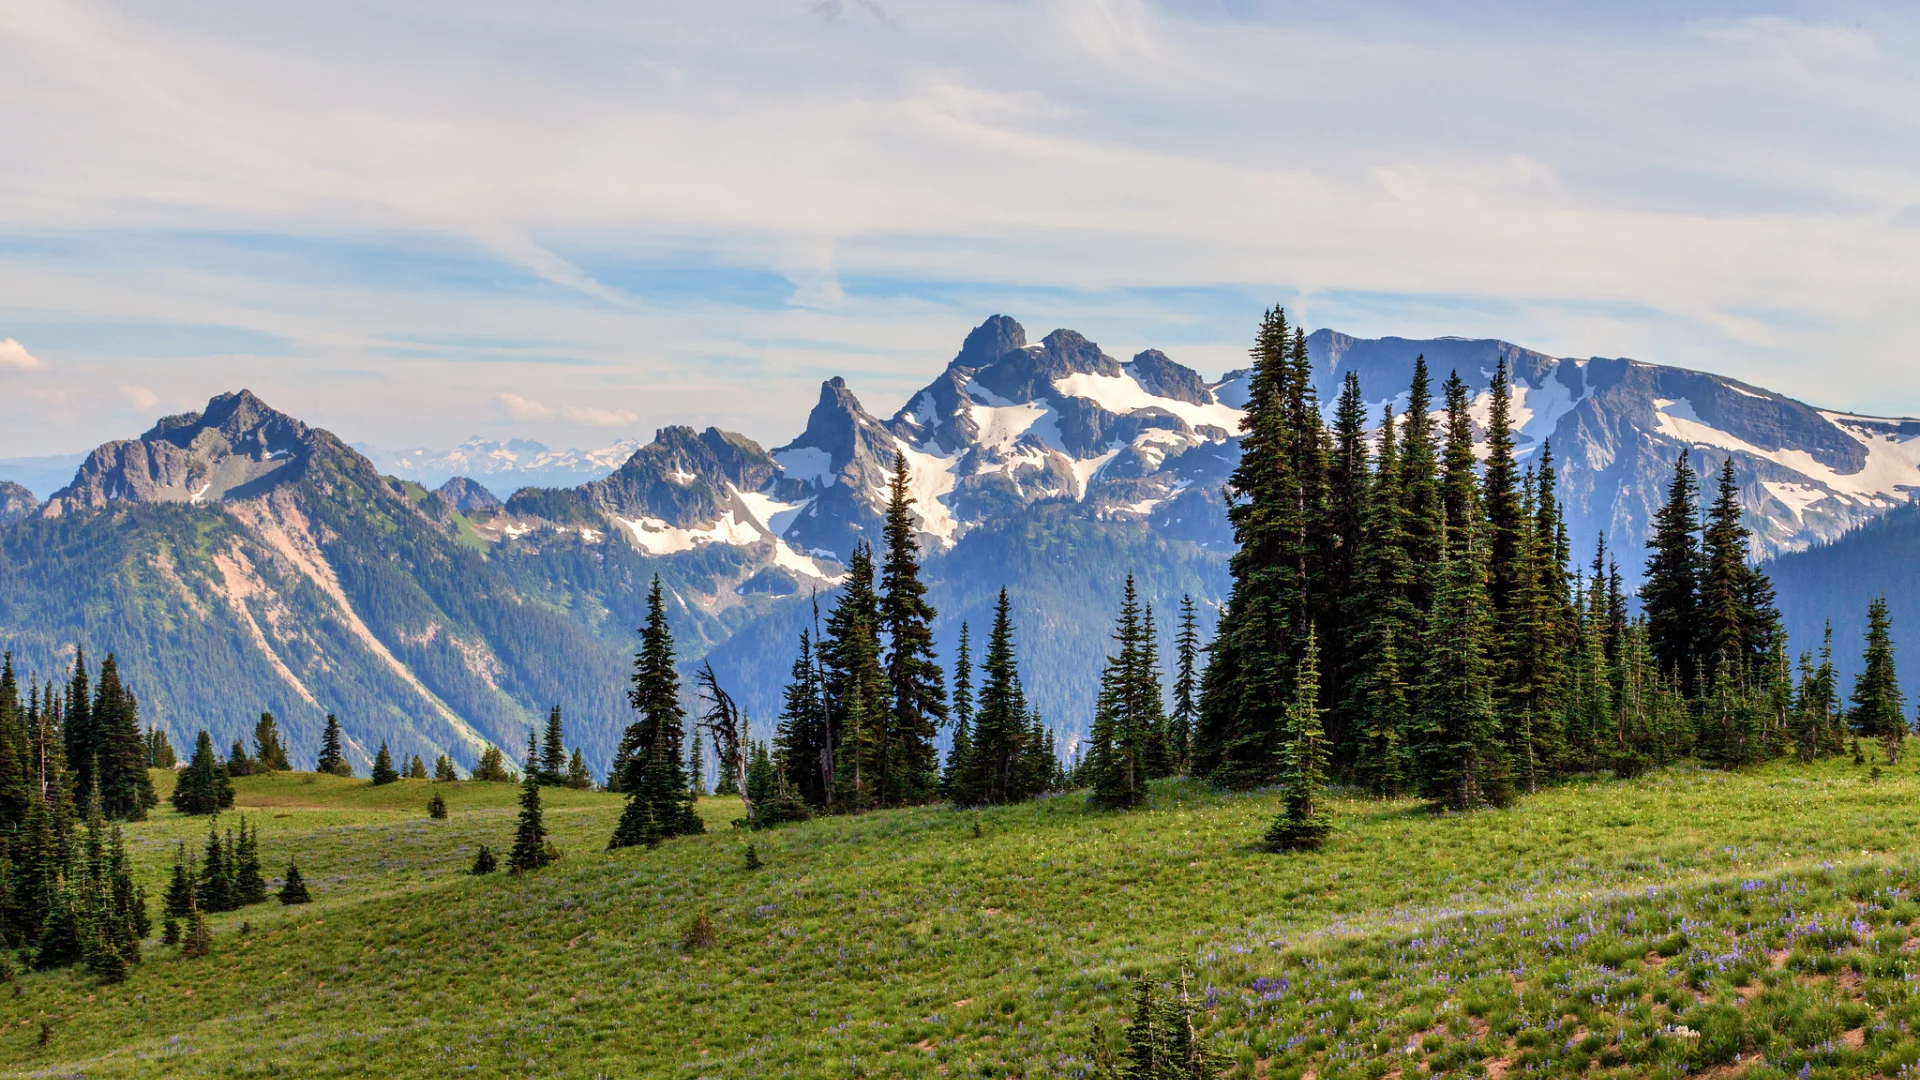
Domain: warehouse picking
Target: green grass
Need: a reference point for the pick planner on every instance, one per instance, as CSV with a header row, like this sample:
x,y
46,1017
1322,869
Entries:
x,y
898,944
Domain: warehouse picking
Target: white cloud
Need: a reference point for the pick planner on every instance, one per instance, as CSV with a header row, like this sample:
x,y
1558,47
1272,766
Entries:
x,y
590,416
516,408
15,355
141,398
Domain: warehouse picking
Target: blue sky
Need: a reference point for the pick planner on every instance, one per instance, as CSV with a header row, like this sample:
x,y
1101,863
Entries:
x,y
414,222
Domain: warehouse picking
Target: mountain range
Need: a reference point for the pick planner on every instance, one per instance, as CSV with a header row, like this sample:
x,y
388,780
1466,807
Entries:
x,y
237,560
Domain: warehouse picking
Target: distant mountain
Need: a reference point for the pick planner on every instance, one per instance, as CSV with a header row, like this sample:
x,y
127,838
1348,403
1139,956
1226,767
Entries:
x,y
16,502
503,467
41,475
240,560
1837,580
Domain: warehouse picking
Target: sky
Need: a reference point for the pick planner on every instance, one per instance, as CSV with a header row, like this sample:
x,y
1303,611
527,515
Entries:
x,y
415,222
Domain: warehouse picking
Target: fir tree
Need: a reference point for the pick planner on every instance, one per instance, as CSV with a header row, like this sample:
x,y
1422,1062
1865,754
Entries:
x,y
803,735
383,770
530,837
696,767
991,773
199,939
1186,687
417,770
120,749
492,767
160,753
1303,824
650,750
437,807
1383,621
1348,482
331,759
177,901
909,767
1879,709
483,861
443,770
293,889
578,778
268,748
855,685
76,728
1126,714
1463,763
214,891
1670,595
238,763
953,782
249,884
203,787
553,752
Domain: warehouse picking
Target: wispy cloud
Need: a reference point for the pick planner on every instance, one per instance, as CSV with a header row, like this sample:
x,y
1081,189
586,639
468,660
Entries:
x,y
896,170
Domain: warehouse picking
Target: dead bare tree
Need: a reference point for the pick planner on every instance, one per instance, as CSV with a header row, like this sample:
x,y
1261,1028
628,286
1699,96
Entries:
x,y
721,719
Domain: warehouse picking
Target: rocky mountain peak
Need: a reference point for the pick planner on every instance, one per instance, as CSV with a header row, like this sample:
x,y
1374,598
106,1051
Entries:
x,y
990,341
16,502
233,448
467,496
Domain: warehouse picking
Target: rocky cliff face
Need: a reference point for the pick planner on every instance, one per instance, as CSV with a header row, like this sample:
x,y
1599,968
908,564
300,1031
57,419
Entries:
x,y
16,502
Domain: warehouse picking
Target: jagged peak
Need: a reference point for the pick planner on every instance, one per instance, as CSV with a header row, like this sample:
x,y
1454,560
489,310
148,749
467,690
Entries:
x,y
991,340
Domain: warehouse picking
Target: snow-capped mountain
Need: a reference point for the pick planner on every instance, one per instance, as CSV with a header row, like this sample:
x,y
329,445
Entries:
x,y
503,467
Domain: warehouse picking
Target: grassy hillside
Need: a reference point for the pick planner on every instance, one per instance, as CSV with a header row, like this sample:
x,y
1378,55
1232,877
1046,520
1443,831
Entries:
x,y
1632,929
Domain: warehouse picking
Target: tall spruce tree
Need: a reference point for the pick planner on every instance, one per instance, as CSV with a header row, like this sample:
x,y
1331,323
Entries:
x,y
1303,823
1879,708
383,770
1384,623
1463,760
1119,745
331,759
649,754
992,772
803,735
960,750
203,787
910,770
1348,483
1670,595
530,849
856,687
268,748
553,751
120,751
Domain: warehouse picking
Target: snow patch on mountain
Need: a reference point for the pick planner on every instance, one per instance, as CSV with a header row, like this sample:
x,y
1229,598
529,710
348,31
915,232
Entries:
x,y
1123,394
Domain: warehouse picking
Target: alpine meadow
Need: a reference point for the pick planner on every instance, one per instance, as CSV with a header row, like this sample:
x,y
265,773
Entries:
x,y
1020,540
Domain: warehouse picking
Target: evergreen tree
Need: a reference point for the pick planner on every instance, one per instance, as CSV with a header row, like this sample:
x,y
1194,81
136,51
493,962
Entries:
x,y
437,807
1276,508
483,862
960,753
696,767
803,735
909,766
1463,763
492,767
1383,620
293,889
530,850
177,901
1186,687
383,770
1736,613
1670,596
443,770
1303,824
199,939
417,769
331,759
992,774
578,778
249,884
203,787
238,763
553,752
120,749
1423,514
76,729
1348,483
268,748
214,891
1879,709
1118,751
855,686
159,751
650,750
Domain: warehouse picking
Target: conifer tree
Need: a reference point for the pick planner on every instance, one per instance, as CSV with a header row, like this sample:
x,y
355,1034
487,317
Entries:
x,y
855,685
443,769
1423,513
1463,762
293,889
268,748
1879,708
331,759
383,770
960,752
417,770
437,807
238,763
492,767
203,787
1348,481
909,765
1670,595
76,728
120,749
578,778
483,861
530,837
177,902
1302,824
696,767
650,750
1383,621
991,773
160,753
1119,742
553,751
249,884
199,939
1186,688
803,735
214,891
